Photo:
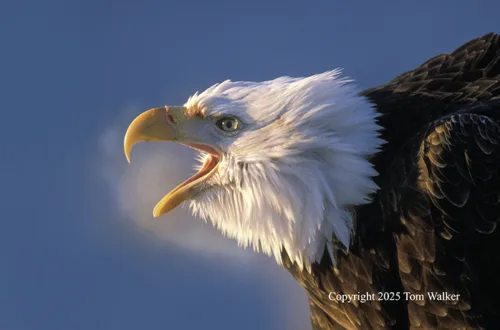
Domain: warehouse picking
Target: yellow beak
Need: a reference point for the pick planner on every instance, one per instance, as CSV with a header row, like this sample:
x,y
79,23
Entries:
x,y
162,124
151,125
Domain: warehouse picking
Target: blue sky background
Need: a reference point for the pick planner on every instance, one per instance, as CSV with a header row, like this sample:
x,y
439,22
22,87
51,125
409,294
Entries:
x,y
76,247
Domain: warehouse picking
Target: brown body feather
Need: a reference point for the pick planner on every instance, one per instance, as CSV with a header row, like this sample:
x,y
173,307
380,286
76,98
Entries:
x,y
433,225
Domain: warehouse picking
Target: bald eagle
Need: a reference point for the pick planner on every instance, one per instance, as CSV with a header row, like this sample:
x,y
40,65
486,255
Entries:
x,y
383,204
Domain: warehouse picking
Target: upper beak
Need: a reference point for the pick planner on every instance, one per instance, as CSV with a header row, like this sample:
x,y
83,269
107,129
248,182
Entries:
x,y
156,124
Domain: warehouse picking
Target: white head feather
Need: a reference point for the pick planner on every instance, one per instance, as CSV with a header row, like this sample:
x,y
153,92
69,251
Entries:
x,y
301,161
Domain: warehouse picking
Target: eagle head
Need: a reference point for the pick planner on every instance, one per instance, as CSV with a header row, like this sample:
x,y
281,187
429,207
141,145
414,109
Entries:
x,y
282,162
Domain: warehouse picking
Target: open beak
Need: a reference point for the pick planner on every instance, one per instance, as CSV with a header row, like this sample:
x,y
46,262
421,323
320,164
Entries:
x,y
166,124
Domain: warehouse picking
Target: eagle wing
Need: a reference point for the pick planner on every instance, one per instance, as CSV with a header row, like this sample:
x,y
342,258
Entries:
x,y
433,224
449,250
444,185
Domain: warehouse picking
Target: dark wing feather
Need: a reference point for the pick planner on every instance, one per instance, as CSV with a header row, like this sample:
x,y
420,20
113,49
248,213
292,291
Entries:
x,y
442,190
450,243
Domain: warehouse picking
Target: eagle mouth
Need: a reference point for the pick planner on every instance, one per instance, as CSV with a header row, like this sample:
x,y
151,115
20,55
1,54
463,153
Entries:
x,y
209,166
192,185
166,124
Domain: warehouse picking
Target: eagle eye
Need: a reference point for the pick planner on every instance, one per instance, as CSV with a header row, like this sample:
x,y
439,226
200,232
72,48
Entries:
x,y
228,124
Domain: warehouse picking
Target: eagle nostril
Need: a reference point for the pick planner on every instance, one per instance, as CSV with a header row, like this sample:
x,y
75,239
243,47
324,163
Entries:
x,y
169,116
